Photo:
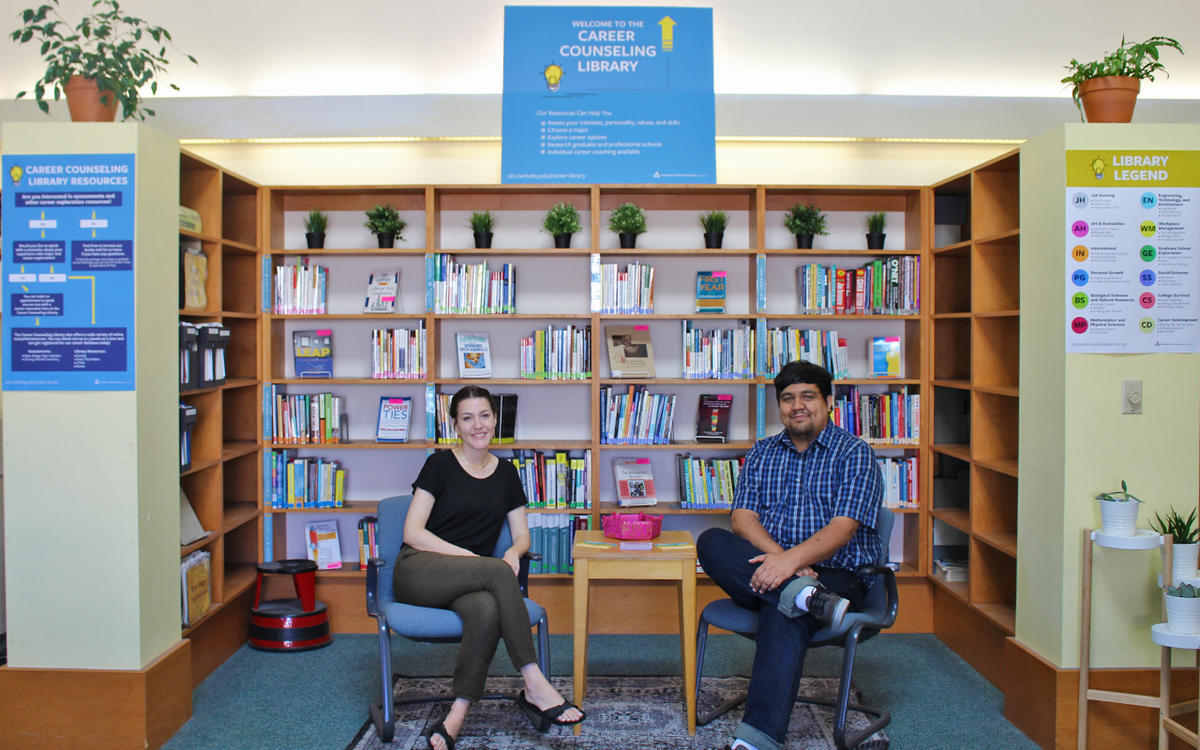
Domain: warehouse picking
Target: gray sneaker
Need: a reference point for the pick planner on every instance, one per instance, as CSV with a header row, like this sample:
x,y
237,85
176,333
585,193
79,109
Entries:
x,y
828,607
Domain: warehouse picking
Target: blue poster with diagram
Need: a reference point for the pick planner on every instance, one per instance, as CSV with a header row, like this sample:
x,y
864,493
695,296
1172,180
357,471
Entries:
x,y
608,95
68,232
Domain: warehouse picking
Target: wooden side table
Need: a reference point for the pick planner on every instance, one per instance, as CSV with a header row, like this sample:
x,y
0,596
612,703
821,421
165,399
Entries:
x,y
672,558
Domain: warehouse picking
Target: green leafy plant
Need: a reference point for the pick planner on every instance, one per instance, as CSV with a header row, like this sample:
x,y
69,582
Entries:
x,y
562,218
1139,60
1182,529
482,221
802,219
714,222
627,218
385,220
1118,497
315,222
122,53
1183,591
876,222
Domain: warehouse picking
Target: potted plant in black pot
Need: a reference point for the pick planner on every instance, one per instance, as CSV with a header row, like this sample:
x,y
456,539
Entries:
x,y
100,62
713,223
482,223
562,221
1106,90
628,221
386,224
876,223
805,222
314,229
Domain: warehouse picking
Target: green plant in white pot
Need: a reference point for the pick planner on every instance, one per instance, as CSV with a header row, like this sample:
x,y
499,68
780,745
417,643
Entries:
x,y
1183,608
1118,512
1185,549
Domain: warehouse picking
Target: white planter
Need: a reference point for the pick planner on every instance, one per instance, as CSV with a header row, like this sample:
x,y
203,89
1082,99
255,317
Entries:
x,y
1183,561
1119,519
1183,615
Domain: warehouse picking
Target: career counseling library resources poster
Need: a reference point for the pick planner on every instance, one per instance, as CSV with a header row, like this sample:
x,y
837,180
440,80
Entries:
x,y
1133,228
608,95
68,272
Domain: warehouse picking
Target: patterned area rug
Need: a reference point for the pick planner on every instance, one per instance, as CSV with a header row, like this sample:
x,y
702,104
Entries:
x,y
623,712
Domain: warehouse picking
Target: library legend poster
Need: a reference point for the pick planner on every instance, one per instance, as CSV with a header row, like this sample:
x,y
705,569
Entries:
x,y
1132,237
611,94
68,272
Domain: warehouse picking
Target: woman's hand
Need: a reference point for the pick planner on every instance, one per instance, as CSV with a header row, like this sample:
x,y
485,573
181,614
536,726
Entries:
x,y
513,558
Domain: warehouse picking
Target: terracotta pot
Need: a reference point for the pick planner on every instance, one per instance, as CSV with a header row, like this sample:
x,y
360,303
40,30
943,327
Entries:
x,y
1109,99
85,103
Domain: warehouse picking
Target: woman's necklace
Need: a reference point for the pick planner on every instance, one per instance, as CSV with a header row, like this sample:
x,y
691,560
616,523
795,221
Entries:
x,y
471,463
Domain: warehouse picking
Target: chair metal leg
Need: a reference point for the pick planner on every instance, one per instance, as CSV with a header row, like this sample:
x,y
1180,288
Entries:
x,y
383,714
543,632
727,706
842,705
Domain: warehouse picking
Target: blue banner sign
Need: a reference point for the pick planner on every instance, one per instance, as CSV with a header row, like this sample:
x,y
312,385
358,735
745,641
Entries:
x,y
68,226
608,95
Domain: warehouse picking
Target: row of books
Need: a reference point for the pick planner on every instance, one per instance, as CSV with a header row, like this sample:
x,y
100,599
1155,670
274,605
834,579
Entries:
x,y
624,291
636,416
707,482
900,481
506,419
304,418
471,289
294,482
886,286
718,352
368,543
821,347
892,417
202,354
557,353
399,353
301,289
552,537
557,480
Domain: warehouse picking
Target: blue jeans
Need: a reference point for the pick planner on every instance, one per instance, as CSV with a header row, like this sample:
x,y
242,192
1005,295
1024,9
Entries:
x,y
782,641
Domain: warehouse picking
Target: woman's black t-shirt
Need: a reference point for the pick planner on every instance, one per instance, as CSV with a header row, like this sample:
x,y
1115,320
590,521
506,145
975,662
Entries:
x,y
467,511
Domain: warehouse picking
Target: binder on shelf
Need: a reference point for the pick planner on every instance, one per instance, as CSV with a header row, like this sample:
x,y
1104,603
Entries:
x,y
187,420
213,341
189,356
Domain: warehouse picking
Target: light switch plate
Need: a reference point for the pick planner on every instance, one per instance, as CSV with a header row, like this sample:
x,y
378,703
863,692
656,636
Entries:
x,y
1131,397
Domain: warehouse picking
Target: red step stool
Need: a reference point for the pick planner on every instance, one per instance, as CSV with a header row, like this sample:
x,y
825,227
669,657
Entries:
x,y
298,624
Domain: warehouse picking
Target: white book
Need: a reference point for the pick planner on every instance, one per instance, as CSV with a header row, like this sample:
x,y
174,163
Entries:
x,y
634,482
382,287
474,355
321,539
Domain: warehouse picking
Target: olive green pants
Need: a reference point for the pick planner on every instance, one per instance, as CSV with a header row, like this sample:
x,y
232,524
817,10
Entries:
x,y
484,593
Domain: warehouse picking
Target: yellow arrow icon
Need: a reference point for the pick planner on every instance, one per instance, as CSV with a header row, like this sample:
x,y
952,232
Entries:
x,y
668,33
43,230
51,268
93,228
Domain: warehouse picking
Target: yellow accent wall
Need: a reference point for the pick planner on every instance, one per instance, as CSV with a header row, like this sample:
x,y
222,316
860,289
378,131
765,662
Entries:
x,y
1074,440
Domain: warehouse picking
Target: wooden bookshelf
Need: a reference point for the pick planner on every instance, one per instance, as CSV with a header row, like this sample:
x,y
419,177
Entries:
x,y
224,482
976,285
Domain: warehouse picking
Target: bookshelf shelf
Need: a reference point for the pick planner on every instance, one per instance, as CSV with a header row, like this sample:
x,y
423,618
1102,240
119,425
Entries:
x,y
959,518
820,252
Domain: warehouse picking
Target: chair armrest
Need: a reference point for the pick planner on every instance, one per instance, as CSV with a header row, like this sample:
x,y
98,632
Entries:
x,y
523,574
892,598
373,566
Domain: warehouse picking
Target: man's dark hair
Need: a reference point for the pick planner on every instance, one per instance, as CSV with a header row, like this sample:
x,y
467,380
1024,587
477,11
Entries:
x,y
800,371
470,391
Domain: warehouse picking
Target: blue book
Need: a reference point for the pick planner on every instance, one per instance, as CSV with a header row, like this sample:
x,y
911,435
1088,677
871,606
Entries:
x,y
312,353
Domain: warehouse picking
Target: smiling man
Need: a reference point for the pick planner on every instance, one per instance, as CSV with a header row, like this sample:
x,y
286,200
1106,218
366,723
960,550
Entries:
x,y
803,521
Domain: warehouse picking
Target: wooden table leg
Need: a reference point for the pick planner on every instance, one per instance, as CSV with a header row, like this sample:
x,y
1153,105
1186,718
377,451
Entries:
x,y
580,585
687,637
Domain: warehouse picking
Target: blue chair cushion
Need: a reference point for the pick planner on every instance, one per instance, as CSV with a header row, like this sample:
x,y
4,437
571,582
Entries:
x,y
418,623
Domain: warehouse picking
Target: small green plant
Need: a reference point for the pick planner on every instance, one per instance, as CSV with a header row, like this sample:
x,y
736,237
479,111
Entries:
x,y
562,218
627,218
122,53
1182,529
802,219
385,220
482,221
315,222
876,222
1183,591
1138,60
714,222
1118,497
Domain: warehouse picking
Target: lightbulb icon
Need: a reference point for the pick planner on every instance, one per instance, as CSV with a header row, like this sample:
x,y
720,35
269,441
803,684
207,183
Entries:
x,y
15,173
553,74
1097,166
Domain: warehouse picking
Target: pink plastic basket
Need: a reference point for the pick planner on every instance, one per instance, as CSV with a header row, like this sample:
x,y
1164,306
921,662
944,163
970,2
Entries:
x,y
631,525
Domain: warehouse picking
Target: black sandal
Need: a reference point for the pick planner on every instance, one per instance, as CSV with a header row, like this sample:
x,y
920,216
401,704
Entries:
x,y
440,730
542,720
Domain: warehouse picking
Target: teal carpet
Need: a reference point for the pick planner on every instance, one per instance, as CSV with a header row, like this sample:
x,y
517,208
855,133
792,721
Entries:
x,y
317,700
